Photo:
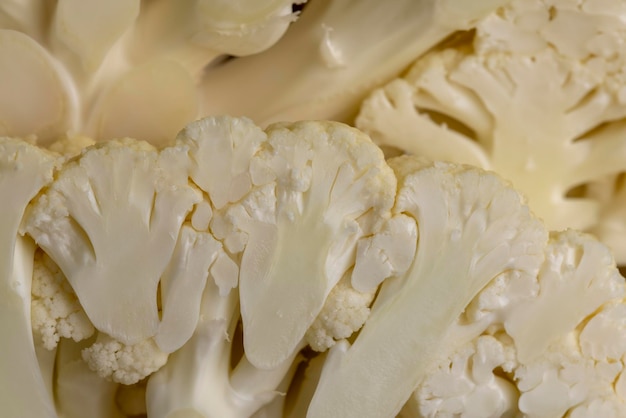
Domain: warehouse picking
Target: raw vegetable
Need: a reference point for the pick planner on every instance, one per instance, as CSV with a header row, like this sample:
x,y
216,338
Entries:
x,y
291,270
537,95
473,228
463,277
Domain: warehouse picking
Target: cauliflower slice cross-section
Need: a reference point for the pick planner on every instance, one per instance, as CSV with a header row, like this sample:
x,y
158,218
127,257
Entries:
x,y
472,227
331,187
292,203
111,220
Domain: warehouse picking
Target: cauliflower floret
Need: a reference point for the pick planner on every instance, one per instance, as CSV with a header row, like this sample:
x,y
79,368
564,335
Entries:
x,y
55,309
116,222
344,312
123,363
294,201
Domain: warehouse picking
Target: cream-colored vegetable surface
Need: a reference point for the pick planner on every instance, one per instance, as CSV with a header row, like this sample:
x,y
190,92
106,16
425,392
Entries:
x,y
159,267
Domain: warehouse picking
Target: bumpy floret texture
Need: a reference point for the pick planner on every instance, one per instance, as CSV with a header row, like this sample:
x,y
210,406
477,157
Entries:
x,y
123,363
344,312
55,310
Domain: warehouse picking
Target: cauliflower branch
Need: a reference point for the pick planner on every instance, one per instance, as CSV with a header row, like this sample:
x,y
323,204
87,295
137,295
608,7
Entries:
x,y
79,389
331,187
537,96
473,227
300,198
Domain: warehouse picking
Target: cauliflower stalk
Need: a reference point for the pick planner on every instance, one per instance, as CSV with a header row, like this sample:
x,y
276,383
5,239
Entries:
x,y
198,379
24,170
78,389
537,95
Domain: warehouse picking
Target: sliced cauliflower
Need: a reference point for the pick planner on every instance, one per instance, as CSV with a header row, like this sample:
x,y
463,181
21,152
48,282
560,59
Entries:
x,y
466,384
294,201
209,377
536,95
472,227
55,309
79,389
110,221
556,345
125,226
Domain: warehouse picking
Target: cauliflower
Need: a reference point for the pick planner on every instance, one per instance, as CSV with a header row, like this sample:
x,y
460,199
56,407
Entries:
x,y
258,243
119,204
537,95
344,312
200,380
24,170
114,221
86,65
470,383
320,182
55,310
123,363
324,71
473,227
35,88
547,346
